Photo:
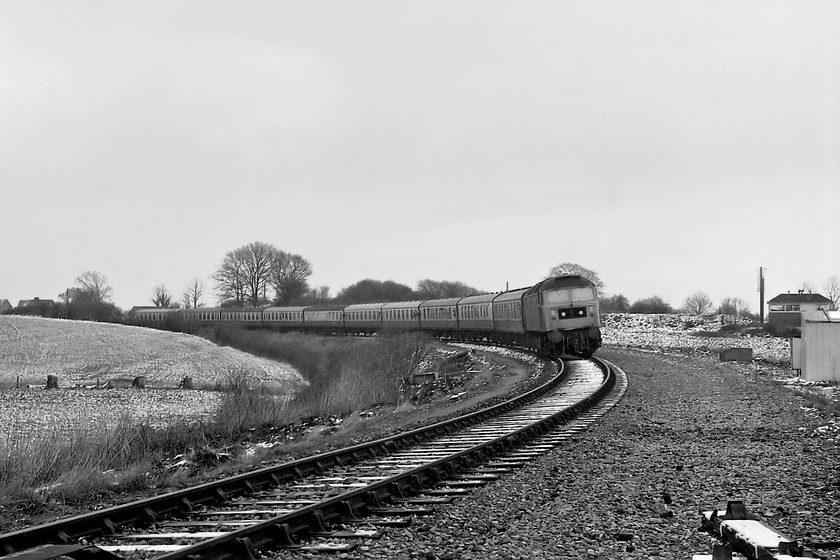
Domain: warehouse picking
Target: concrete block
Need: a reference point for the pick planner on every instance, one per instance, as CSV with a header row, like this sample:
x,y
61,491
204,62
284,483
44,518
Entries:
x,y
736,355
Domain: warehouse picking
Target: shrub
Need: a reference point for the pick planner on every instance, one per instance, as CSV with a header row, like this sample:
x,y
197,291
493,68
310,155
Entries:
x,y
245,404
77,465
342,375
653,304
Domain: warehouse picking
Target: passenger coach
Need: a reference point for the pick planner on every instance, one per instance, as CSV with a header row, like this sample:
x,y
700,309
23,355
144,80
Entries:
x,y
559,314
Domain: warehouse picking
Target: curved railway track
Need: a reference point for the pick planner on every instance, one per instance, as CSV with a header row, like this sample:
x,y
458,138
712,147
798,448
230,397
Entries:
x,y
310,503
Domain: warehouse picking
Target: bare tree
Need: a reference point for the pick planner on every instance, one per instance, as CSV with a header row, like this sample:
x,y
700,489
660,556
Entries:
x,y
89,299
734,306
697,304
192,294
162,297
832,291
244,273
321,294
230,283
247,273
95,285
258,260
289,277
572,268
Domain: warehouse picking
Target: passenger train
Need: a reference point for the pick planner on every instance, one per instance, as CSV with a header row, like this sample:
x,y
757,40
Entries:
x,y
558,315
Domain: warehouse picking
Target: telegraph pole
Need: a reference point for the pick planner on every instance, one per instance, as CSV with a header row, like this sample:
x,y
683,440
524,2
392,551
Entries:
x,y
761,294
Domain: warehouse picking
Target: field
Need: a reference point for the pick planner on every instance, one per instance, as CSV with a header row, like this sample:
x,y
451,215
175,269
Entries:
x,y
85,355
81,353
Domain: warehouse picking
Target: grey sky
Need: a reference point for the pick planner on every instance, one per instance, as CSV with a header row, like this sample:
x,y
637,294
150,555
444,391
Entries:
x,y
670,146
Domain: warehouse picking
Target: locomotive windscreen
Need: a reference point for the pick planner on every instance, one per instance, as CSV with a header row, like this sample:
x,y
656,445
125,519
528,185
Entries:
x,y
560,297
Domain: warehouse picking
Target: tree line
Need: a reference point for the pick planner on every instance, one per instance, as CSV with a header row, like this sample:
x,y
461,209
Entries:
x,y
698,303
258,274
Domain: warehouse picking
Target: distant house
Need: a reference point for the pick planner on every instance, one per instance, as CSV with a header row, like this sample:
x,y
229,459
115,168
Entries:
x,y
786,309
37,306
5,306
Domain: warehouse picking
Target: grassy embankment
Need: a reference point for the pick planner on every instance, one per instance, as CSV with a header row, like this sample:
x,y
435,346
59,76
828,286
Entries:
x,y
343,375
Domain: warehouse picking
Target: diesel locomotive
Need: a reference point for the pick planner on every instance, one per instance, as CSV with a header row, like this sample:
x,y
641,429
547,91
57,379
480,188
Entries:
x,y
558,315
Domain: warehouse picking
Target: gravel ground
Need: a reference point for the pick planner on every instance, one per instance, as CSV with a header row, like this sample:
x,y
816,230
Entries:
x,y
699,431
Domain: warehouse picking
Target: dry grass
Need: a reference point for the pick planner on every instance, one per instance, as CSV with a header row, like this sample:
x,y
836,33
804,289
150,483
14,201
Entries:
x,y
70,447
343,374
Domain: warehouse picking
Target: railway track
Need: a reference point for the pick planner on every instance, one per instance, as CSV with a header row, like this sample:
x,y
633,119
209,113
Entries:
x,y
318,502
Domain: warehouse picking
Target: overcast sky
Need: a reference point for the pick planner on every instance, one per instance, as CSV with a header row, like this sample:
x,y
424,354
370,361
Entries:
x,y
670,146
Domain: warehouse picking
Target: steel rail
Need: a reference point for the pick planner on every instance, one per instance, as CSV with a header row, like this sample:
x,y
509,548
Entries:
x,y
149,510
286,529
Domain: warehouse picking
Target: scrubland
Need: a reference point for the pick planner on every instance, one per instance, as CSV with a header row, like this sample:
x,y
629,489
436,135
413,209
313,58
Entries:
x,y
83,442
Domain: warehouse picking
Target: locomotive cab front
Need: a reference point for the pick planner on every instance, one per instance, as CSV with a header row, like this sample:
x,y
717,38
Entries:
x,y
565,310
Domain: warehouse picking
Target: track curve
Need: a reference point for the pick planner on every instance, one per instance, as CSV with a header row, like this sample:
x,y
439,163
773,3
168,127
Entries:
x,y
227,518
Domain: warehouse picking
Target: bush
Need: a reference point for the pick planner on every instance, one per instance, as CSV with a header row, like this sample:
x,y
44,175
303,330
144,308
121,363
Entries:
x,y
245,405
78,465
343,374
653,304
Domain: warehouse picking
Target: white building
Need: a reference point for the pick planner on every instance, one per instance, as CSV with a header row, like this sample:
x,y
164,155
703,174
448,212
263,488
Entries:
x,y
817,353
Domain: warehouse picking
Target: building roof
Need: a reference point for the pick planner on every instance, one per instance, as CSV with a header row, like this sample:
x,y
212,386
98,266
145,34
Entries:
x,y
37,302
799,298
821,317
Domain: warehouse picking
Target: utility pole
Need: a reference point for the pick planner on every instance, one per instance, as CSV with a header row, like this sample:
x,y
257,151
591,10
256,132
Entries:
x,y
761,295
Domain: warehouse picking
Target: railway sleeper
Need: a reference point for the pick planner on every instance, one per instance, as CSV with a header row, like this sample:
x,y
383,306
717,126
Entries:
x,y
401,511
76,551
463,483
378,521
425,500
447,491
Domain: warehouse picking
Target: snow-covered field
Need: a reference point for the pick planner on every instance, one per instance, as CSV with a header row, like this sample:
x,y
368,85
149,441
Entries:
x,y
85,354
684,334
82,352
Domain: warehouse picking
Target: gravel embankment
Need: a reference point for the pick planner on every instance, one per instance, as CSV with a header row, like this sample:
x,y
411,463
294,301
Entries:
x,y
685,334
699,431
